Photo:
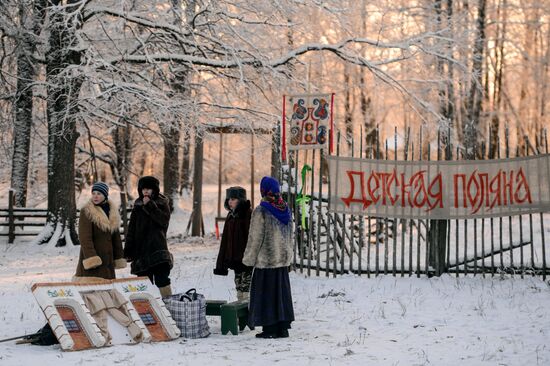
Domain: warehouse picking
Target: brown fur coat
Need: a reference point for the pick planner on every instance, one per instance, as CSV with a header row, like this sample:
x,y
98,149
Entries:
x,y
100,244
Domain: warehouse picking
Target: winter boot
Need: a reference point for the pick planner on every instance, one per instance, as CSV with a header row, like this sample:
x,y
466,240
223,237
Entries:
x,y
282,329
165,291
282,333
269,331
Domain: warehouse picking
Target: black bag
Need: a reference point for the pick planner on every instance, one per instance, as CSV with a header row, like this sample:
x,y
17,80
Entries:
x,y
44,337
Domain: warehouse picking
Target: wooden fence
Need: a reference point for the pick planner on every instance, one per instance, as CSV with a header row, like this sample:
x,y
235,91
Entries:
x,y
12,218
365,245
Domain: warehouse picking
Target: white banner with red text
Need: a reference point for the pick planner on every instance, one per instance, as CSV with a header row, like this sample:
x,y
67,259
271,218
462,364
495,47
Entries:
x,y
439,189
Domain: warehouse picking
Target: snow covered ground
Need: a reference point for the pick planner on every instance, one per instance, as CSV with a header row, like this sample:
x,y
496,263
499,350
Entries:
x,y
347,320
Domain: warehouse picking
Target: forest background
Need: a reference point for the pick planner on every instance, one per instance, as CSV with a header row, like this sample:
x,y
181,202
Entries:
x,y
113,90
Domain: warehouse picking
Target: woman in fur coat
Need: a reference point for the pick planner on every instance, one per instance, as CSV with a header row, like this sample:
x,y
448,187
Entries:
x,y
98,230
269,250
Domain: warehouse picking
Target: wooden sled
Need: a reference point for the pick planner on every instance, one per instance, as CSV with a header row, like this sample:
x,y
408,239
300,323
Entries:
x,y
75,327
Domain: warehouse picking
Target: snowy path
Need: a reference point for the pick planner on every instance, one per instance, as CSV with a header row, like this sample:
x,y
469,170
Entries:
x,y
343,321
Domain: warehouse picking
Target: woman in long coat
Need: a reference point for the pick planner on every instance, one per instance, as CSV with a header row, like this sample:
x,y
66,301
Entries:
x,y
98,230
146,247
233,243
270,251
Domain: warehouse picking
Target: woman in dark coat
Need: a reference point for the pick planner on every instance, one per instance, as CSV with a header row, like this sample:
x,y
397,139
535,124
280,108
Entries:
x,y
146,246
234,238
98,231
269,250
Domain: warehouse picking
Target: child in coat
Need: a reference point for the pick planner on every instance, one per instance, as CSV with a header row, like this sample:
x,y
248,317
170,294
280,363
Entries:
x,y
234,239
146,247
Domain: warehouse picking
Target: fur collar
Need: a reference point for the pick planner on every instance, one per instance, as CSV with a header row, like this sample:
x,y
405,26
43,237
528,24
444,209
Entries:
x,y
97,216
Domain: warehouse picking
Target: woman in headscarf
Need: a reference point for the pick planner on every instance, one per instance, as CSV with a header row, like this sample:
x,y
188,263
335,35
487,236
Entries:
x,y
270,251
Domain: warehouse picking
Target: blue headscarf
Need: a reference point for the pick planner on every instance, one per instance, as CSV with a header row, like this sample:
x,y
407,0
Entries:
x,y
272,200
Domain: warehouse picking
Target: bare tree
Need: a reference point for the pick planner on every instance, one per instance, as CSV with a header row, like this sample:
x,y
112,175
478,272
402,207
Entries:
x,y
179,76
475,96
451,107
348,112
498,66
171,131
122,166
30,14
64,81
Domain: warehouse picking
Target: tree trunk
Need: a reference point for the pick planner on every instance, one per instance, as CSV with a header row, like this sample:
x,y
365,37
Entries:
x,y
499,67
197,186
122,140
185,177
142,164
367,112
462,86
62,111
525,121
438,228
171,131
348,120
545,81
30,18
440,63
473,109
23,112
181,83
171,137
450,111
276,154
369,121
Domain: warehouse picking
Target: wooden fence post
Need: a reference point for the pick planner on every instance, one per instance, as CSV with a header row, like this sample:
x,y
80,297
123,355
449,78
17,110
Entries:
x,y
11,217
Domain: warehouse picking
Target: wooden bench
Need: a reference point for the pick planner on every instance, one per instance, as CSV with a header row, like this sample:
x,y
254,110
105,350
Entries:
x,y
234,315
213,307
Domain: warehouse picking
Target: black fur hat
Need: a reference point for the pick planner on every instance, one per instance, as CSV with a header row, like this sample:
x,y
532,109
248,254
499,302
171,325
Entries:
x,y
149,182
234,192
